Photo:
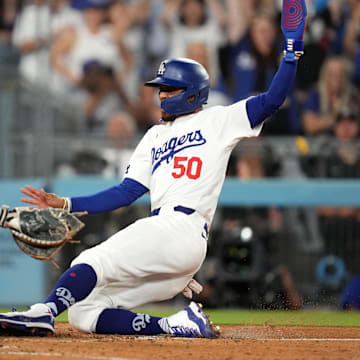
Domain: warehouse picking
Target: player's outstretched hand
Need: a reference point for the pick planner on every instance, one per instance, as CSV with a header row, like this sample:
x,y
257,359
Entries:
x,y
41,199
293,19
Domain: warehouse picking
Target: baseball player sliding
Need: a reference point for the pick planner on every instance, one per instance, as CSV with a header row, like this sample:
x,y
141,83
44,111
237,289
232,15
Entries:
x,y
182,163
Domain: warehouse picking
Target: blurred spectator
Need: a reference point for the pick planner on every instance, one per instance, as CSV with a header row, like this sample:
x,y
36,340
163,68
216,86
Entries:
x,y
333,19
64,16
35,28
149,106
196,31
250,63
318,5
195,21
239,15
31,36
128,21
340,226
199,52
339,158
345,163
251,161
156,39
324,35
352,37
104,111
332,94
8,10
92,40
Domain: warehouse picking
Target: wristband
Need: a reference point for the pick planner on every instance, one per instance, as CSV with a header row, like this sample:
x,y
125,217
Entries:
x,y
67,204
293,50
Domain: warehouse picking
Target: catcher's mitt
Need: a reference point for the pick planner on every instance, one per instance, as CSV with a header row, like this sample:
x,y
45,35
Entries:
x,y
40,233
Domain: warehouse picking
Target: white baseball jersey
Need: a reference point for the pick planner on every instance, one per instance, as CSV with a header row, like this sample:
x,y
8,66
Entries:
x,y
184,162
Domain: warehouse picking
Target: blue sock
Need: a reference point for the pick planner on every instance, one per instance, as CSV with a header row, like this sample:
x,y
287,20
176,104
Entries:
x,y
125,322
75,284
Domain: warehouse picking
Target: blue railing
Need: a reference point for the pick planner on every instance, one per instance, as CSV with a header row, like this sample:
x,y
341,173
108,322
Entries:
x,y
235,192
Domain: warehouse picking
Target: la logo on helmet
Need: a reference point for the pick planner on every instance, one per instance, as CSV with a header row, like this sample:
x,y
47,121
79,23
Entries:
x,y
161,70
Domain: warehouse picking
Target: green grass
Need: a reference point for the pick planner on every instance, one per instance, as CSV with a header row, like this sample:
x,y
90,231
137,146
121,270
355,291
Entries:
x,y
245,317
292,318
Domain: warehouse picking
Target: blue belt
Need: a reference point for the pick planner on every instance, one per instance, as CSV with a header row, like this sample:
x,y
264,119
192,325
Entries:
x,y
180,208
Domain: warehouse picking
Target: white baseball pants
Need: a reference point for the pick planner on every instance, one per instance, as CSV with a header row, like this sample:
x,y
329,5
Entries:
x,y
151,260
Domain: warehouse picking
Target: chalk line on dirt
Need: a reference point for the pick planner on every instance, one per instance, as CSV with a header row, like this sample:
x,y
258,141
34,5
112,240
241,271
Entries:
x,y
310,339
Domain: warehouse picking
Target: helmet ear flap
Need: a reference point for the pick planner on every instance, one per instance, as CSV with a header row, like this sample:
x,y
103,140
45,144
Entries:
x,y
199,96
203,95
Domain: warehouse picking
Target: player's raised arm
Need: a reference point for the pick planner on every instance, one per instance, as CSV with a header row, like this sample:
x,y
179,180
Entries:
x,y
293,22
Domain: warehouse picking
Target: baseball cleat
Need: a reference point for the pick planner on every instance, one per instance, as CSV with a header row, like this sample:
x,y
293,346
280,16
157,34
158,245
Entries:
x,y
192,322
38,321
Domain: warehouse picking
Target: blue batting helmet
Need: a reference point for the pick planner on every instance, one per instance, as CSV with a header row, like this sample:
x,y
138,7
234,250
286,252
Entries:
x,y
187,74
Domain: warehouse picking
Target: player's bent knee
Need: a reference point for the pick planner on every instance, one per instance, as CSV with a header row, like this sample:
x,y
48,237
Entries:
x,y
84,318
88,257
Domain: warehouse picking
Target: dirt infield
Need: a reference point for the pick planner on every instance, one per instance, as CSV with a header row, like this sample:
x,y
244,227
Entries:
x,y
236,342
